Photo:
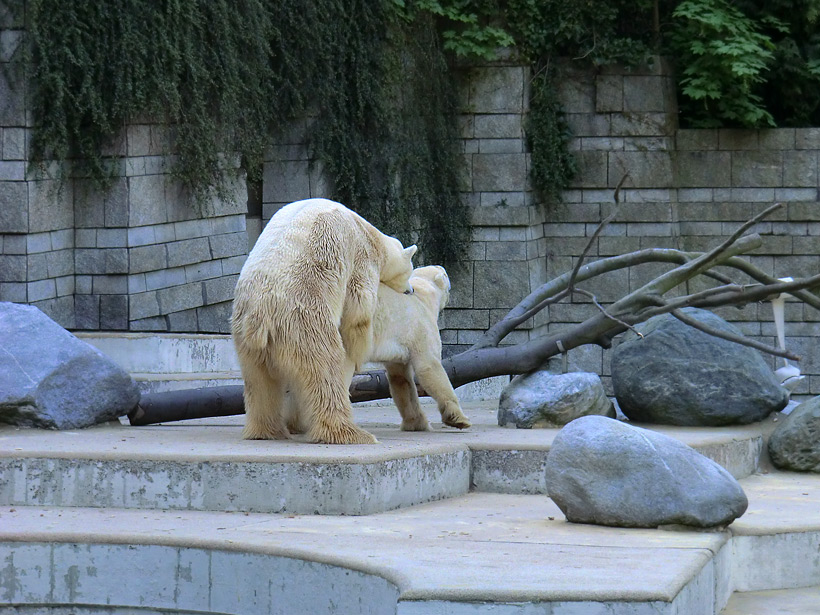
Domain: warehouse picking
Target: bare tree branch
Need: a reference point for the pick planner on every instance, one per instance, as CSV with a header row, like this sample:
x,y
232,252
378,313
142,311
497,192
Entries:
x,y
804,295
544,294
604,311
595,234
723,247
570,284
729,296
737,339
487,358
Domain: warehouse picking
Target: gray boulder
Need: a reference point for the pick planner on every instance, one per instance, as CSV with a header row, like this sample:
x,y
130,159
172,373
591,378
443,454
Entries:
x,y
677,375
795,443
552,400
606,472
51,379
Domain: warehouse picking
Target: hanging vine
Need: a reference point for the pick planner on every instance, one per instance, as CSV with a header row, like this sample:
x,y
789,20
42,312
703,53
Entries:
x,y
228,77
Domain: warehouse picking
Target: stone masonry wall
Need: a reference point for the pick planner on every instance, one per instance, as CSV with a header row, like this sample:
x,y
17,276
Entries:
x,y
140,256
36,220
687,189
507,250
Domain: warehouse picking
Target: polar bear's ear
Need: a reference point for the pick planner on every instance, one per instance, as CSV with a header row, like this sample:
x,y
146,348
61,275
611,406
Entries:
x,y
442,280
410,251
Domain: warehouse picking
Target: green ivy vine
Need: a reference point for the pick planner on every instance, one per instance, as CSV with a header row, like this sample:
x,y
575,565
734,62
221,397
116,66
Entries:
x,y
374,81
229,77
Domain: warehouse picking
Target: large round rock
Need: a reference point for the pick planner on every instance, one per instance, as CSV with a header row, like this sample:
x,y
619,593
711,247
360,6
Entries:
x,y
795,443
544,399
606,472
51,379
678,375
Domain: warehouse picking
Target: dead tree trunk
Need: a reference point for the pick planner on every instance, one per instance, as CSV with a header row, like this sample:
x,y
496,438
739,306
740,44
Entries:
x,y
488,358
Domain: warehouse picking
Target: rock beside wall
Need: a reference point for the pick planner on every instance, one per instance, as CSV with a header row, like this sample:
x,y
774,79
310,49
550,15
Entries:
x,y
51,379
677,375
795,443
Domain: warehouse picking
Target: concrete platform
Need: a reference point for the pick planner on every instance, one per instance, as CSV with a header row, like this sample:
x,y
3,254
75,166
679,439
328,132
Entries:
x,y
188,517
804,601
477,553
205,465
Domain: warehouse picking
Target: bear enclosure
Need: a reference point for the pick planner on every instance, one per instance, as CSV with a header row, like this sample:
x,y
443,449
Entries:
x,y
138,257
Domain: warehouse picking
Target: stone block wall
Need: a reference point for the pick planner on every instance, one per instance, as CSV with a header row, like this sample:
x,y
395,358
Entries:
x,y
687,189
36,218
148,257
506,255
139,256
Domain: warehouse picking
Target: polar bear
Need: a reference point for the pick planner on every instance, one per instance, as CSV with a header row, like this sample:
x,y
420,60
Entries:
x,y
406,340
303,316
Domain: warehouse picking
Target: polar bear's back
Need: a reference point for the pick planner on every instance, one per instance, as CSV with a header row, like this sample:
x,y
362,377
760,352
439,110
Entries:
x,y
302,236
300,265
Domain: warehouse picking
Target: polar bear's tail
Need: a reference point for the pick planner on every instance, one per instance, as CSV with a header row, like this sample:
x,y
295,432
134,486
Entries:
x,y
250,320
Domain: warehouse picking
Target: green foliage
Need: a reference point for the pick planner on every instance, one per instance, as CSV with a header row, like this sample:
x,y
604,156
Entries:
x,y
553,165
596,31
468,29
386,129
195,65
592,31
228,77
792,88
723,56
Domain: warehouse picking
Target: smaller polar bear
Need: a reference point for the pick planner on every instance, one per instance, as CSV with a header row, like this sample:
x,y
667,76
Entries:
x,y
406,340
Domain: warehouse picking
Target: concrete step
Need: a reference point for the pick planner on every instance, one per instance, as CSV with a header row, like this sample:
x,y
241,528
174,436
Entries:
x,y
158,383
477,553
205,465
803,601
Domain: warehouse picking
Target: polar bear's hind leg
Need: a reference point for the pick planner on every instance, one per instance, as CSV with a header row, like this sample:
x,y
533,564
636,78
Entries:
x,y
434,379
323,396
264,391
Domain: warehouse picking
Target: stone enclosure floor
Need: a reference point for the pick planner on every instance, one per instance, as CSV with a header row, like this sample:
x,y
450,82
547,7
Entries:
x,y
188,517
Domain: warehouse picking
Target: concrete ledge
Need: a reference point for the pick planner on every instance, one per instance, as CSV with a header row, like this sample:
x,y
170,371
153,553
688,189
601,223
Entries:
x,y
325,488
475,548
477,553
182,579
782,529
805,600
322,489
205,465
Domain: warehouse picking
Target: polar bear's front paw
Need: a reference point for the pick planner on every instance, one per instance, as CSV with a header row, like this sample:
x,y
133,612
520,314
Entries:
x,y
416,423
342,434
452,415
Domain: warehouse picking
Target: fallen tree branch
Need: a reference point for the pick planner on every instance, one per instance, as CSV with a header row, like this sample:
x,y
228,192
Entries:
x,y
604,311
487,358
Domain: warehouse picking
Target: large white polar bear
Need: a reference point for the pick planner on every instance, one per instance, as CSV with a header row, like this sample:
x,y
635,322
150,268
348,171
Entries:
x,y
303,316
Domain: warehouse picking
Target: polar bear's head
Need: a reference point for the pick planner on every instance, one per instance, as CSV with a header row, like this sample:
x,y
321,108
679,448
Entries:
x,y
398,265
432,280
